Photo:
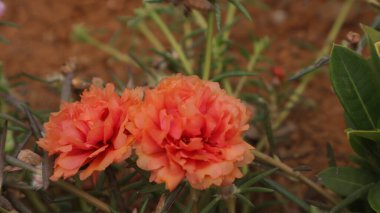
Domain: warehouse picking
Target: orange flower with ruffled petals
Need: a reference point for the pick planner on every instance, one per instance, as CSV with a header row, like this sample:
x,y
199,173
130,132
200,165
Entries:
x,y
189,128
87,134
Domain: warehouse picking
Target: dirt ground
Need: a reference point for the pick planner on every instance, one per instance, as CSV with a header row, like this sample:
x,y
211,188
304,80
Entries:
x,y
297,30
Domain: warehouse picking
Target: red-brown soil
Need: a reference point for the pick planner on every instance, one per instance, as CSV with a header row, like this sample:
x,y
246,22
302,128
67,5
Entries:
x,y
42,44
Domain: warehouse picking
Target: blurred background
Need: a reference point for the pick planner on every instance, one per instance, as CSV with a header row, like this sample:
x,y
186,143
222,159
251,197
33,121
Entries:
x,y
297,30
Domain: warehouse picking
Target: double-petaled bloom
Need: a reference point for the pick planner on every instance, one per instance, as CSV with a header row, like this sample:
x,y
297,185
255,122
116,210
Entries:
x,y
87,135
191,129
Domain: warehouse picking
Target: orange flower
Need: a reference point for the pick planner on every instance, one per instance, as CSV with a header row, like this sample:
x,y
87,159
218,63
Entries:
x,y
88,133
189,128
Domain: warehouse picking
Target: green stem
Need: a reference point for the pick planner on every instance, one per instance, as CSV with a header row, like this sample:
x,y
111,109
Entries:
x,y
209,43
295,97
85,207
231,205
229,20
176,46
112,51
251,65
231,11
288,170
81,194
144,29
35,200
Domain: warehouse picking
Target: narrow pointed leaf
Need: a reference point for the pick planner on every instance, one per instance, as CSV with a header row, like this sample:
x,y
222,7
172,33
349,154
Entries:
x,y
257,190
257,178
287,194
356,86
242,9
245,200
232,74
373,135
211,205
218,16
172,197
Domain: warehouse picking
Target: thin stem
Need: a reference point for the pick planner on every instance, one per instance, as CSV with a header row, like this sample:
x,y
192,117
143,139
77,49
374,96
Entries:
x,y
251,65
229,20
88,197
295,97
112,51
35,200
176,46
285,168
187,29
82,202
231,204
231,11
150,36
209,41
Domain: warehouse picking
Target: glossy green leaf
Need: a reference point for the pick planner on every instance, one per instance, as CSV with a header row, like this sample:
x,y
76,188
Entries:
x,y
356,86
373,36
373,135
242,9
351,198
374,197
345,180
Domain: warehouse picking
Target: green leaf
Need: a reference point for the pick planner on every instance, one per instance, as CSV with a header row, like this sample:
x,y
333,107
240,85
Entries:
x,y
172,197
211,205
373,36
145,205
9,24
356,86
218,16
374,197
373,135
351,198
287,194
345,180
245,200
257,178
257,190
242,9
232,74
